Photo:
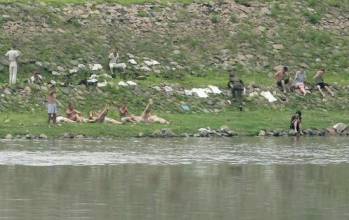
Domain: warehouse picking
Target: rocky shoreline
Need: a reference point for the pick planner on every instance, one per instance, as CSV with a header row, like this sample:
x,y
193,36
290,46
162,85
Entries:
x,y
339,129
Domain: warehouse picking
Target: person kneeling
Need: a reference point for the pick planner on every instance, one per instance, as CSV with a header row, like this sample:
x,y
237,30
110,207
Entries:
x,y
296,123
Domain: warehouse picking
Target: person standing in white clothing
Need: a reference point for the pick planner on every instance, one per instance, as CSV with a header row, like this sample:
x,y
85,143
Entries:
x,y
113,58
13,55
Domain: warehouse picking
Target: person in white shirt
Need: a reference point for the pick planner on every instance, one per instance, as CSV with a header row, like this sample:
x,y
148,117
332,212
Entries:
x,y
113,58
13,56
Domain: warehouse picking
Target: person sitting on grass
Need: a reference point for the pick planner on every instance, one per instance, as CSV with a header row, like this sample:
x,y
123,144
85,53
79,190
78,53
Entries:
x,y
148,117
101,117
73,114
299,82
52,109
237,87
125,115
36,78
296,122
282,78
320,84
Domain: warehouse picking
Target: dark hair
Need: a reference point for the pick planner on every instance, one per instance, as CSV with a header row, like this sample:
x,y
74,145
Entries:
x,y
286,68
299,113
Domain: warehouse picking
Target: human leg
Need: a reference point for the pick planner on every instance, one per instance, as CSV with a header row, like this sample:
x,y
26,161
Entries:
x,y
329,90
320,90
14,74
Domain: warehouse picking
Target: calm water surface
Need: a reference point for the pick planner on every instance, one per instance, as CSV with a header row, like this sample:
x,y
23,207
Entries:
x,y
241,178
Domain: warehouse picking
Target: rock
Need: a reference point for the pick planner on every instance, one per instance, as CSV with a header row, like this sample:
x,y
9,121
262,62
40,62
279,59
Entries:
x,y
8,137
151,62
165,132
292,133
278,46
225,131
261,133
145,69
28,136
68,135
42,136
7,91
176,52
132,61
331,131
80,136
340,127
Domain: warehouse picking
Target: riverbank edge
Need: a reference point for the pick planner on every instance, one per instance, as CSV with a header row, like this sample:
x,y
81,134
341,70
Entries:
x,y
168,134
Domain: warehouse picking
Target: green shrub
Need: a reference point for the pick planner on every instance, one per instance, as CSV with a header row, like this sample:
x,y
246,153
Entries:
x,y
313,18
243,2
233,18
215,18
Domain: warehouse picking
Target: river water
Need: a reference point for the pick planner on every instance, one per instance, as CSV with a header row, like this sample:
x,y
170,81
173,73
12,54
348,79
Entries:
x,y
240,178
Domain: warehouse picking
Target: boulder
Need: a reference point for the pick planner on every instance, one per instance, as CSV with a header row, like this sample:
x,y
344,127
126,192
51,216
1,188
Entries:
x,y
42,136
331,131
340,127
8,137
261,133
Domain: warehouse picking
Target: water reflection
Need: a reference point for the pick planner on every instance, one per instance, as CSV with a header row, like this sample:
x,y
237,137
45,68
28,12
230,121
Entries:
x,y
176,179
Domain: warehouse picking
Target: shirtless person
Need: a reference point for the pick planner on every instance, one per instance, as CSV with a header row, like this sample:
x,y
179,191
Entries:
x,y
13,56
73,114
320,83
100,117
282,79
146,116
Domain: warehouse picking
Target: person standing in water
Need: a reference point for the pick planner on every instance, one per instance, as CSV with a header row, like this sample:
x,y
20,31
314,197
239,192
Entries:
x,y
52,109
13,56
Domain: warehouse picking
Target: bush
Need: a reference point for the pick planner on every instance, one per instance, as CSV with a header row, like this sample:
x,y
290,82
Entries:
x,y
215,19
313,18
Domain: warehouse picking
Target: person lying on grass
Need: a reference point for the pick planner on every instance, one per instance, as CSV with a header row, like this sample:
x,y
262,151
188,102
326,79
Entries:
x,y
74,115
100,117
320,83
146,117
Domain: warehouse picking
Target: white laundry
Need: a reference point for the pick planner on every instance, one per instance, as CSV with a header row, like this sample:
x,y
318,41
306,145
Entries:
x,y
215,89
132,61
102,84
151,62
122,83
95,67
131,83
268,96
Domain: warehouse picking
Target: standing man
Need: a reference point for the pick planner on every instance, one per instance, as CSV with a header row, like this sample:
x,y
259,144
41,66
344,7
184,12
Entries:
x,y
237,88
113,59
13,56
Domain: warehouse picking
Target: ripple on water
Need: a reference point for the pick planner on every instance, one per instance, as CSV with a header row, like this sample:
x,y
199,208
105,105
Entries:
x,y
175,151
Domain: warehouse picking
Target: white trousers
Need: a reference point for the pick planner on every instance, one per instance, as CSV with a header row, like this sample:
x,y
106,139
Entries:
x,y
13,73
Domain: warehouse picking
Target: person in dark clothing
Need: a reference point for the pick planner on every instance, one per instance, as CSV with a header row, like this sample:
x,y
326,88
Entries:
x,y
296,122
237,87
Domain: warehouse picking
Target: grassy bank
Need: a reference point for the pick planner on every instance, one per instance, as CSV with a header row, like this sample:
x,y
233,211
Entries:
x,y
244,123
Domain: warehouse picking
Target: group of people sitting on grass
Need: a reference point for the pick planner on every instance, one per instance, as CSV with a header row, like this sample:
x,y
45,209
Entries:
x,y
75,116
283,81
